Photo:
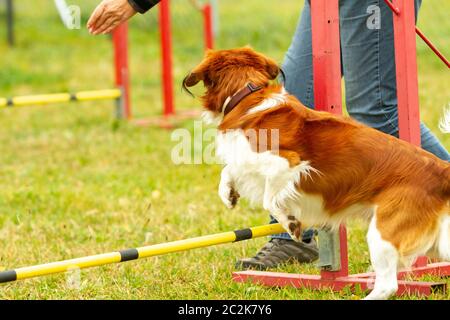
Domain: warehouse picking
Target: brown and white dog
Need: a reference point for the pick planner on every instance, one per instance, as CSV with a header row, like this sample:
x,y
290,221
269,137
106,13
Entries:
x,y
327,168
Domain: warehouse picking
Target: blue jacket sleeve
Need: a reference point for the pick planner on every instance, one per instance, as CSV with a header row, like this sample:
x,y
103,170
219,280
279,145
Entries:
x,y
143,6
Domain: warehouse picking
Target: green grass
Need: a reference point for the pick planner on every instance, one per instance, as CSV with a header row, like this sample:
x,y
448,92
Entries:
x,y
74,183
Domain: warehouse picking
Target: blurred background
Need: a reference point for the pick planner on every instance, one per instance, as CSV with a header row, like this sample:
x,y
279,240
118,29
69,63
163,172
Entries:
x,y
73,181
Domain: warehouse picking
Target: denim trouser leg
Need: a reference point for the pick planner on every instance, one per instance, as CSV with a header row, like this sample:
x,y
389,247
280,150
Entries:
x,y
368,65
297,63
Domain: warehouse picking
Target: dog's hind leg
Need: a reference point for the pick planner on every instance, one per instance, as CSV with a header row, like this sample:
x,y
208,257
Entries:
x,y
385,258
403,227
276,202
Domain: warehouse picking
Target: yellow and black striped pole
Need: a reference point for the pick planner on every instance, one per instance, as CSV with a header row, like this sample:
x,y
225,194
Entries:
x,y
139,253
61,97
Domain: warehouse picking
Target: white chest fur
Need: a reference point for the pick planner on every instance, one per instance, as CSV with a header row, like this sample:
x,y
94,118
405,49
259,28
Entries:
x,y
266,180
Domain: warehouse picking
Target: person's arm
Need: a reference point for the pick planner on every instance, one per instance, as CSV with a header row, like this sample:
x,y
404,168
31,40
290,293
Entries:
x,y
111,13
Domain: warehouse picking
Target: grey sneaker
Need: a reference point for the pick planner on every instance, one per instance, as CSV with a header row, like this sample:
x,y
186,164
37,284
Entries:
x,y
280,251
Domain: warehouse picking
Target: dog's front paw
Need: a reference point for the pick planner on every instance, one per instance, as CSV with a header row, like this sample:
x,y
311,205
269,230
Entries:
x,y
228,195
295,229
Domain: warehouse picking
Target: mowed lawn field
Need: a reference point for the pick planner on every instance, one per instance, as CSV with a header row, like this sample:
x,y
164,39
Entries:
x,y
75,182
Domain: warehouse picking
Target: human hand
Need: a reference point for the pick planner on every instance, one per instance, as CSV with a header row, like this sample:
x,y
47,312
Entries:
x,y
108,15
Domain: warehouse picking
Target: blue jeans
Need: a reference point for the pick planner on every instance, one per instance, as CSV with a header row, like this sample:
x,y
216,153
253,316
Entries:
x,y
368,67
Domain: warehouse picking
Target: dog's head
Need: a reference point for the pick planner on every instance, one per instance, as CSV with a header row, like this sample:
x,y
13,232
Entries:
x,y
224,72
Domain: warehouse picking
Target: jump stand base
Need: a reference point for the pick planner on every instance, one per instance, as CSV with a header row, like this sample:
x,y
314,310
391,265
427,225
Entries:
x,y
364,281
167,121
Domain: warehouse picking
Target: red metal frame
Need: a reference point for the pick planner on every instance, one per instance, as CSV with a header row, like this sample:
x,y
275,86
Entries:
x,y
432,47
326,55
278,279
122,74
166,53
327,95
421,35
208,26
170,117
406,70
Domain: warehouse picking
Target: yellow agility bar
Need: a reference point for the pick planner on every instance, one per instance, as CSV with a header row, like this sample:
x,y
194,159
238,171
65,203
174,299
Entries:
x,y
3,102
60,98
98,95
139,253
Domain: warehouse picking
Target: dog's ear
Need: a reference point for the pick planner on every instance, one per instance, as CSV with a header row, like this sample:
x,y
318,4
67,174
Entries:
x,y
193,78
198,73
272,68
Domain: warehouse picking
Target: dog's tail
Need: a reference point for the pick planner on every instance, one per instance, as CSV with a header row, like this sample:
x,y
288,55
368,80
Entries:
x,y
442,243
444,123
444,126
443,240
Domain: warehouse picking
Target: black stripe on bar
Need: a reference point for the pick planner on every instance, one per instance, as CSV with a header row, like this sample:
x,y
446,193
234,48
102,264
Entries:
x,y
73,97
8,275
243,234
128,254
9,102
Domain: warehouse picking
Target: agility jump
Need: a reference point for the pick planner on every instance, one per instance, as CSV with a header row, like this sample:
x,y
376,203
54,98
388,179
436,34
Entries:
x,y
122,91
333,251
139,253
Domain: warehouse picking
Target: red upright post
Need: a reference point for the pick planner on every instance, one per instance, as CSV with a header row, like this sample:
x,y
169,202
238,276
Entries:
x,y
208,26
406,70
169,117
397,11
327,84
326,55
120,39
166,51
